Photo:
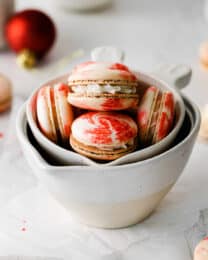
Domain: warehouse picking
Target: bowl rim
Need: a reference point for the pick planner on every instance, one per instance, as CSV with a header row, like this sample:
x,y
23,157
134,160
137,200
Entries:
x,y
143,77
20,127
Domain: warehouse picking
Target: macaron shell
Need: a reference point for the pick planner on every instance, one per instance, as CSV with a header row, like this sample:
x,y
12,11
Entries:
x,y
98,154
63,111
165,118
104,102
106,74
145,112
5,93
156,111
203,54
45,113
104,128
93,65
101,71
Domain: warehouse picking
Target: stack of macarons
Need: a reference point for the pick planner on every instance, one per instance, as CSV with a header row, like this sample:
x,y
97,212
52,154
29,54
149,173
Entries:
x,y
103,94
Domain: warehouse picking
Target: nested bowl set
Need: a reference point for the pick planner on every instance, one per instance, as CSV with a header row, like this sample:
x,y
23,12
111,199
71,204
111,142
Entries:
x,y
112,163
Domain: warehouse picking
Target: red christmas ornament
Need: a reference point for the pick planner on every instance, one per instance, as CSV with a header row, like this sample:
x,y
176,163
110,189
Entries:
x,y
31,34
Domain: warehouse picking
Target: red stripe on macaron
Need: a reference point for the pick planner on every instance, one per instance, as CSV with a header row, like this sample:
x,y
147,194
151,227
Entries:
x,y
63,88
119,66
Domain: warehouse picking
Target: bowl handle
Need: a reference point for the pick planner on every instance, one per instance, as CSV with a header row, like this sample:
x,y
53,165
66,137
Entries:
x,y
177,76
107,54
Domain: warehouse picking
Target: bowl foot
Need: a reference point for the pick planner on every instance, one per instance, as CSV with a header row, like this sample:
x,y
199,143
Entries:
x,y
117,215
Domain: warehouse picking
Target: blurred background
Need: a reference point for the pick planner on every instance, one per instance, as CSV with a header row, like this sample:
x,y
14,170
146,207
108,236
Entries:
x,y
150,33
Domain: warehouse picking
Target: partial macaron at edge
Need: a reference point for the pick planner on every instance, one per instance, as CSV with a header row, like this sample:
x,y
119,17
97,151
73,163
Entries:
x,y
5,93
6,104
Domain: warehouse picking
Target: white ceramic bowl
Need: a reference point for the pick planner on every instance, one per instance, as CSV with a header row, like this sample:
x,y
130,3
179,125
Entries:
x,y
113,196
172,75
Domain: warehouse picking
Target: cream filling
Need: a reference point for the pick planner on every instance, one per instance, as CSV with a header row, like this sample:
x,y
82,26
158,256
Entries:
x,y
115,147
99,89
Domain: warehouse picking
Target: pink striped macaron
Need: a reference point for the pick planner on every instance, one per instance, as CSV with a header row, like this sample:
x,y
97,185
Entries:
x,y
54,113
103,135
155,115
102,87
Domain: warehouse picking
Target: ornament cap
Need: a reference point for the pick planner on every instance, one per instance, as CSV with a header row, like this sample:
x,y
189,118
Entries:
x,y
26,59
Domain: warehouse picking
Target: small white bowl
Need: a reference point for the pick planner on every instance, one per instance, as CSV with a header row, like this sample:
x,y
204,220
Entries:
x,y
67,157
113,196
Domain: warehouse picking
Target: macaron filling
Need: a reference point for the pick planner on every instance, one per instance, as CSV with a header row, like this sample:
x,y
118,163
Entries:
x,y
100,89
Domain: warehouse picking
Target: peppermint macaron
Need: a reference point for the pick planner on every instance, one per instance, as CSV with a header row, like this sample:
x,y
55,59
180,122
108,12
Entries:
x,y
103,86
103,135
201,250
155,115
5,93
203,54
54,113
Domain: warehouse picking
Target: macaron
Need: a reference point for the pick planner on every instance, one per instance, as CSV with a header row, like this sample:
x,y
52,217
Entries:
x,y
201,250
54,113
103,86
203,54
203,132
103,135
5,93
155,115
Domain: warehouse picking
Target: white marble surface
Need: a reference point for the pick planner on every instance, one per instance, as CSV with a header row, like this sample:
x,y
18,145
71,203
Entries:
x,y
150,32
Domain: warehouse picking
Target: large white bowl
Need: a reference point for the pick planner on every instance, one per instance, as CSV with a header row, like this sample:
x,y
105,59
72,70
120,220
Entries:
x,y
113,196
67,157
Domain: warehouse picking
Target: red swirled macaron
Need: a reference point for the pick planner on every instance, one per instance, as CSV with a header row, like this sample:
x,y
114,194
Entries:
x,y
103,86
103,135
